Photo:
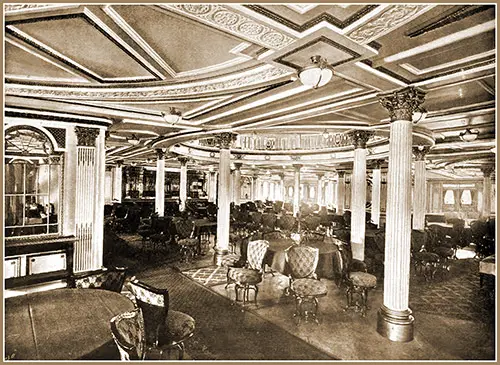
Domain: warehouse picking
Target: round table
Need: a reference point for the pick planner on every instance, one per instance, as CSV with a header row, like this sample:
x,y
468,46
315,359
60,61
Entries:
x,y
275,256
63,324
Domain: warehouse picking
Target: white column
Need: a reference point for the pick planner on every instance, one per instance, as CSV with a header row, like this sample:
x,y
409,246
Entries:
x,y
376,184
223,197
358,194
117,182
183,183
420,190
340,195
160,183
486,206
296,190
395,319
319,190
237,183
282,194
89,198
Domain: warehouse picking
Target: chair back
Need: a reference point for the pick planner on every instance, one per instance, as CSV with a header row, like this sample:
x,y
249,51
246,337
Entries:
x,y
286,222
302,261
269,220
128,333
153,303
108,279
256,251
311,222
184,228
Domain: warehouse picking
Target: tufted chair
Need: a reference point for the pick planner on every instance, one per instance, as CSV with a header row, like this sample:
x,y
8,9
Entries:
x,y
286,223
128,332
248,277
164,329
304,285
107,279
185,238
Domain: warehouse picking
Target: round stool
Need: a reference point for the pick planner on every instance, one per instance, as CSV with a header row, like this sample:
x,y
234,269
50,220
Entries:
x,y
359,283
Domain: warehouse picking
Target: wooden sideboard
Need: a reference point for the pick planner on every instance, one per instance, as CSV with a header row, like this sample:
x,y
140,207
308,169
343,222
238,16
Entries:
x,y
35,260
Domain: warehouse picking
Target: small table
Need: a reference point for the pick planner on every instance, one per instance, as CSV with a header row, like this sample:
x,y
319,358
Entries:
x,y
203,226
63,324
275,256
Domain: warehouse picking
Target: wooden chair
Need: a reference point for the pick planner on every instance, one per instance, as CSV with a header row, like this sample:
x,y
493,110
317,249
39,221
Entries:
x,y
164,329
185,238
128,333
246,278
107,279
304,284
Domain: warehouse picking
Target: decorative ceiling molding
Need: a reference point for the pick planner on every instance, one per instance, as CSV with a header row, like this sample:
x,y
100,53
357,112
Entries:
x,y
301,8
323,17
449,17
228,20
17,8
251,77
389,20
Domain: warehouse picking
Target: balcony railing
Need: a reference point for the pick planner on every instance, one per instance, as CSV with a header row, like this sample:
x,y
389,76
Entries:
x,y
286,142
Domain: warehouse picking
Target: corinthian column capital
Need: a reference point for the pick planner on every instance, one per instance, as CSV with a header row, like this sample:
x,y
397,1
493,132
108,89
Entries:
x,y
225,140
420,152
487,170
402,103
360,138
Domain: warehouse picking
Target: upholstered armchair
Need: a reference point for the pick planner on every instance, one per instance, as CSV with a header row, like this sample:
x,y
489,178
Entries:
x,y
128,333
107,279
185,238
304,285
247,277
164,329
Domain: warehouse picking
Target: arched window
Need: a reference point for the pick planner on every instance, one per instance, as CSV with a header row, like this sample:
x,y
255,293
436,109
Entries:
x,y
466,198
449,197
32,183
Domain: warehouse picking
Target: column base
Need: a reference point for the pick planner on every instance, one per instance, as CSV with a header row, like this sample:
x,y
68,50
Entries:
x,y
395,325
219,256
358,251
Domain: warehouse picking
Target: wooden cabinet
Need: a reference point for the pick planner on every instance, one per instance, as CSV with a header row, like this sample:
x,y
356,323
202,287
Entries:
x,y
36,260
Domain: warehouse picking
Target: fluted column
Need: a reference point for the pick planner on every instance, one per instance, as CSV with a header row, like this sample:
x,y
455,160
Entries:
x,y
255,187
487,170
420,190
340,192
237,183
160,183
282,187
319,190
212,195
395,319
376,187
296,190
223,198
117,182
358,194
183,183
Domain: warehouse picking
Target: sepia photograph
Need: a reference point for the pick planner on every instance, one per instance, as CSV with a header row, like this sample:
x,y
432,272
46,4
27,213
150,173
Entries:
x,y
249,182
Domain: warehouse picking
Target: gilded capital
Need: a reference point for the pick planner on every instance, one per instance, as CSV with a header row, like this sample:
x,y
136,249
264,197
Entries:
x,y
487,170
360,138
160,154
297,167
420,151
86,136
341,174
237,165
183,160
225,140
402,103
377,164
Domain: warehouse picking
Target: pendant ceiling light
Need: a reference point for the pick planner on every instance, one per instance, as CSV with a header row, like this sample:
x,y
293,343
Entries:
x,y
317,74
469,135
172,116
133,140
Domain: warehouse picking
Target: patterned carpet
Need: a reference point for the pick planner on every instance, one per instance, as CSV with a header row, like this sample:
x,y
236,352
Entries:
x,y
223,331
456,294
208,276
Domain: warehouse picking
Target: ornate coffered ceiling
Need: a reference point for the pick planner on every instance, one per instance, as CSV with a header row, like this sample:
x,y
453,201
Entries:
x,y
234,67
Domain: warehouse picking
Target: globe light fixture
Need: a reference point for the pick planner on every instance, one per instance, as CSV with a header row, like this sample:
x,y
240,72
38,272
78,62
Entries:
x,y
133,140
317,74
172,116
419,114
469,135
